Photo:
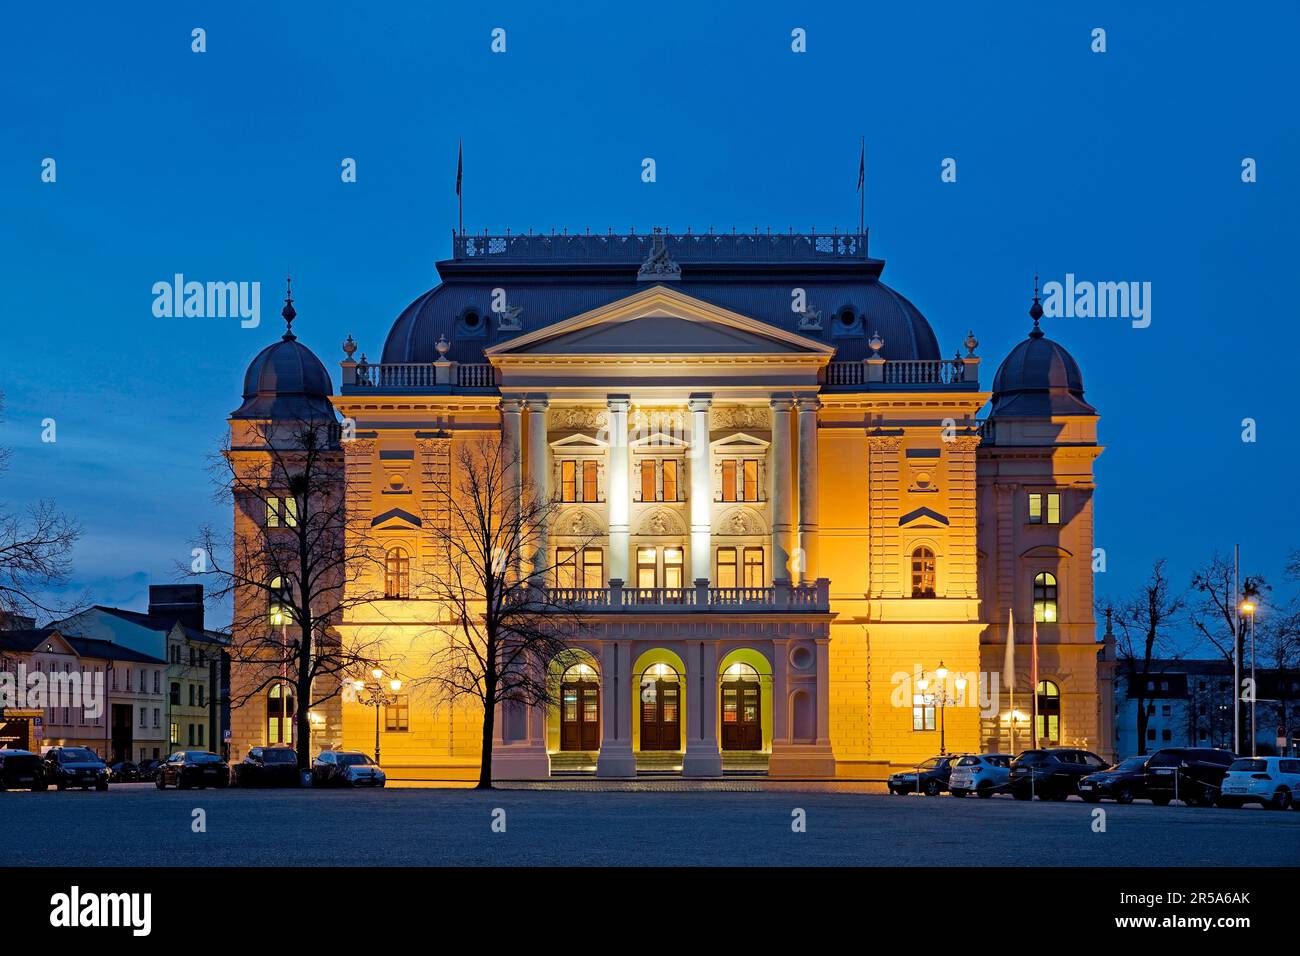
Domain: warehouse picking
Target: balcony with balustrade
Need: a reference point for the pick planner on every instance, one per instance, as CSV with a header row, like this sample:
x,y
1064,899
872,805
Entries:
x,y
623,599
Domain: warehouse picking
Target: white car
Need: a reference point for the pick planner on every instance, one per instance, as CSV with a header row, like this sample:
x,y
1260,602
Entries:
x,y
1270,781
982,774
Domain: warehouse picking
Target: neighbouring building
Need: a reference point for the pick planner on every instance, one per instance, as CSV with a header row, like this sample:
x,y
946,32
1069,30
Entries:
x,y
190,684
1189,704
798,530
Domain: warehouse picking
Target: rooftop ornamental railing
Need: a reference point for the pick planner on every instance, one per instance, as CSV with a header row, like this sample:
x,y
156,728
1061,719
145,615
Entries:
x,y
689,246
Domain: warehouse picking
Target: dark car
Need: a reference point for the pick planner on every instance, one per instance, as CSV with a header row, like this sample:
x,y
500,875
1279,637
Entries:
x,y
1123,783
346,768
1052,773
148,769
267,767
930,777
21,770
67,767
192,768
123,771
1190,774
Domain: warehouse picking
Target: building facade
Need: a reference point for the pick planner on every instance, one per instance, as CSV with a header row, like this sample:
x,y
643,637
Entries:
x,y
797,538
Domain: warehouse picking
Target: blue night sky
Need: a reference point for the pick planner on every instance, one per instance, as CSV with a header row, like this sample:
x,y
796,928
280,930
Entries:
x,y
225,166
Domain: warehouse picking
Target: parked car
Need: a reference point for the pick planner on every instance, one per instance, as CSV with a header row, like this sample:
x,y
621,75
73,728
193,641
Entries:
x,y
192,768
75,767
1192,774
1123,783
1271,782
21,770
346,768
148,769
981,774
267,767
1052,773
124,771
930,777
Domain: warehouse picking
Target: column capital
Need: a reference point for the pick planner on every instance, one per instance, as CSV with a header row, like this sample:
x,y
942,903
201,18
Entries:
x,y
782,403
700,403
511,404
618,403
809,403
538,403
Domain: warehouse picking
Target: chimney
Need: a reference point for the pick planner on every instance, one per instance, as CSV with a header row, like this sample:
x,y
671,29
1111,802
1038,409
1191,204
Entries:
x,y
177,602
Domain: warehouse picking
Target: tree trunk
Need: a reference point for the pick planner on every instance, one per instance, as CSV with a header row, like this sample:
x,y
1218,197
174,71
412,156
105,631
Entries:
x,y
302,712
489,731
1142,717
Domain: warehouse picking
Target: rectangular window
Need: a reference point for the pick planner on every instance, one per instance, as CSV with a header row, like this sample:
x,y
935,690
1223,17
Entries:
x,y
566,568
726,568
200,735
175,735
751,479
593,568
568,481
922,713
191,726
754,568
649,490
670,480
1044,508
729,481
673,567
191,695
589,481
397,715
176,694
203,693
646,569
281,512
157,682
144,716
157,718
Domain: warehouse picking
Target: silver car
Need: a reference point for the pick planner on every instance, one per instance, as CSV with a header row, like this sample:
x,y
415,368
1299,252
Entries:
x,y
981,774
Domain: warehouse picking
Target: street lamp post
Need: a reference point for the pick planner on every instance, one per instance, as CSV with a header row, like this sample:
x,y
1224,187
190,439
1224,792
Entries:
x,y
943,700
374,693
1249,605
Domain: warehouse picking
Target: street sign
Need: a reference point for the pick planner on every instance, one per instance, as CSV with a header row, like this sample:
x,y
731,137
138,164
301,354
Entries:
x,y
226,735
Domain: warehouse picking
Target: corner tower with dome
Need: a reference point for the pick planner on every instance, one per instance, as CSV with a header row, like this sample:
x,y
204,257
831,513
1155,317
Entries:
x,y
794,536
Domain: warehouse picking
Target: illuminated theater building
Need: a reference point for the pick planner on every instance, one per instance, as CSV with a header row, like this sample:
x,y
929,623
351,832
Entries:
x,y
796,528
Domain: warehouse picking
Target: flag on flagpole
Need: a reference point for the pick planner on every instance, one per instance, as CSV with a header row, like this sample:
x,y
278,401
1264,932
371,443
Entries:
x,y
862,165
460,165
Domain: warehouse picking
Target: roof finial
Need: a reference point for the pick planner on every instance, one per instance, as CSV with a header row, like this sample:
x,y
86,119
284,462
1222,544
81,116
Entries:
x,y
289,312
1036,312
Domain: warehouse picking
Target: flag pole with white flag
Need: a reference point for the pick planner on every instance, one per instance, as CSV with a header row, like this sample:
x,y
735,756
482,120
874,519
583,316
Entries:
x,y
460,198
1009,674
862,186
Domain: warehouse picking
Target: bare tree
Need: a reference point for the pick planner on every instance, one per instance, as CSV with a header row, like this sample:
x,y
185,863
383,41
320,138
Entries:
x,y
1144,620
294,563
35,554
501,629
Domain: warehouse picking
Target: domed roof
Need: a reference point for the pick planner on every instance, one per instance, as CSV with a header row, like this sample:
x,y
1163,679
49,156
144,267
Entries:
x,y
286,380
1039,378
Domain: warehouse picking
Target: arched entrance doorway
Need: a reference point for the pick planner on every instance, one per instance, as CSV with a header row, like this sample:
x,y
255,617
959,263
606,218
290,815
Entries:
x,y
741,718
580,709
661,710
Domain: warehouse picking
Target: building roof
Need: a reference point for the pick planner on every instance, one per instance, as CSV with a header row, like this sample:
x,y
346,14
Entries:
x,y
164,624
1038,379
552,278
27,641
286,381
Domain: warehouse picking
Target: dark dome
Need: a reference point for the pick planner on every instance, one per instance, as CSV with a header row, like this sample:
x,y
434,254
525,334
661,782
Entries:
x,y
286,381
1039,379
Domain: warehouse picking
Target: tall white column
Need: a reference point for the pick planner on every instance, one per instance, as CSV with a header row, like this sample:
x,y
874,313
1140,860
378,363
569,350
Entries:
x,y
702,757
780,495
511,455
808,503
539,471
701,488
616,758
619,493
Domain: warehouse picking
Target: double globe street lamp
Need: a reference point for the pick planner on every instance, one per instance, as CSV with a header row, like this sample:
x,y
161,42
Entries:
x,y
376,693
942,698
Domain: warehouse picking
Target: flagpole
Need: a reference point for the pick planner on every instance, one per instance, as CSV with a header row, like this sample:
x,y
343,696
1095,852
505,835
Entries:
x,y
862,187
460,193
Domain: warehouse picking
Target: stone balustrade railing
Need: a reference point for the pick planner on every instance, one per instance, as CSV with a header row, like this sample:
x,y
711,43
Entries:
x,y
620,598
885,375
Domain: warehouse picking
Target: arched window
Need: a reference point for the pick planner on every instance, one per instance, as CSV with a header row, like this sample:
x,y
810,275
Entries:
x,y
281,603
922,573
397,574
1045,597
1049,713
740,671
279,714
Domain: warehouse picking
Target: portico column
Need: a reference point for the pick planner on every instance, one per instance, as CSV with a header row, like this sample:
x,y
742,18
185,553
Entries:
x,y
701,488
808,507
616,758
539,479
781,473
511,454
619,493
702,758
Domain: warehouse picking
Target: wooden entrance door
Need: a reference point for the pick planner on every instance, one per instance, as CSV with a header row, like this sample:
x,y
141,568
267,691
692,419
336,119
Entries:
x,y
579,715
661,711
742,715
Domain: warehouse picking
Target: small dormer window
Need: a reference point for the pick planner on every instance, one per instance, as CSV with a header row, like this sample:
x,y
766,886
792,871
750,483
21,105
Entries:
x,y
472,319
847,318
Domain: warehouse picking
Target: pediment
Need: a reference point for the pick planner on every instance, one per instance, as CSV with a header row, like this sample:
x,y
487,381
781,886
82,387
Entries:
x,y
395,518
659,320
923,518
659,442
739,443
579,443
1046,551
